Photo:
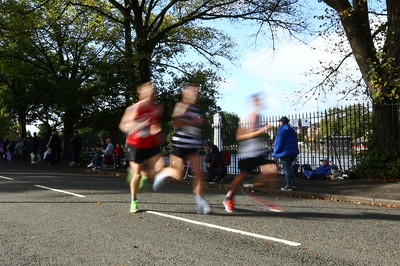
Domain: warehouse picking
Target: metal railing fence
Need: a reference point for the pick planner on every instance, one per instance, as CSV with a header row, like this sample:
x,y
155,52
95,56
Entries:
x,y
340,134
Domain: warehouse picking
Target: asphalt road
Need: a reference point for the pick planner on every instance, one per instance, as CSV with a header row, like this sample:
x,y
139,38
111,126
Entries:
x,y
54,218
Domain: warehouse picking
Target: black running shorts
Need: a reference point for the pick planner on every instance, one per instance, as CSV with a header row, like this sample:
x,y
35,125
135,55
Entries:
x,y
141,155
183,152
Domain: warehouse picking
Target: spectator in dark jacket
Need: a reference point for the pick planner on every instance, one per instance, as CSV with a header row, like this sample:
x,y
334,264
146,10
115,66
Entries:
x,y
216,170
35,146
286,149
2,149
55,147
76,143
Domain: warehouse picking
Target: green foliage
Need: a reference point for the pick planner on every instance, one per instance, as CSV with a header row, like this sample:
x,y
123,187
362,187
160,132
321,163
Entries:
x,y
230,122
366,31
75,64
387,87
7,126
378,164
56,65
349,121
169,93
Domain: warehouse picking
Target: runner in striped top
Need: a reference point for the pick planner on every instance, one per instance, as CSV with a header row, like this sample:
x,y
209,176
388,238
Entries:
x,y
186,141
188,134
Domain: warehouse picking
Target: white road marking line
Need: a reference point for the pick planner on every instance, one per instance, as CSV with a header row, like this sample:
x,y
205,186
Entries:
x,y
8,178
283,241
62,191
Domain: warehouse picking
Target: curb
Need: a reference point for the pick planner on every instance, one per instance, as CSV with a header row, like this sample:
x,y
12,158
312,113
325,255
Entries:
x,y
353,199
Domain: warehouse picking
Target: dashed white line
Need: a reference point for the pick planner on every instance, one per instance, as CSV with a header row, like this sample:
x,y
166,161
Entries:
x,y
8,178
62,191
283,241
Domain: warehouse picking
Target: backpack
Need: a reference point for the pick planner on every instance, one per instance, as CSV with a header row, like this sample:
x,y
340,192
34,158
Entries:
x,y
227,157
296,170
348,175
306,170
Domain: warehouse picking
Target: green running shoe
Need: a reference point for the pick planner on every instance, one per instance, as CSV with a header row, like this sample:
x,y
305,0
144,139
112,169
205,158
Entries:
x,y
134,206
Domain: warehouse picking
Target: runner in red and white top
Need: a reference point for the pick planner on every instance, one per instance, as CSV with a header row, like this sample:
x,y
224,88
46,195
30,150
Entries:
x,y
142,124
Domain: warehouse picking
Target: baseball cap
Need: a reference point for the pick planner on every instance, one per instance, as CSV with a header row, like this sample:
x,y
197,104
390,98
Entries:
x,y
284,119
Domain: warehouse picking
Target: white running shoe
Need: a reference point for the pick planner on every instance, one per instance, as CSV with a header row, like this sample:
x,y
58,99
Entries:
x,y
159,181
90,165
203,207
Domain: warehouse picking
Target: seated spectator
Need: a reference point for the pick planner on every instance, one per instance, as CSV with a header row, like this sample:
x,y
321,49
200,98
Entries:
x,y
97,158
216,169
321,172
119,152
335,172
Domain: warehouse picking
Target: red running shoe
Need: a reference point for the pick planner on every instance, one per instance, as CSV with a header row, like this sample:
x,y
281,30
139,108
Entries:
x,y
229,205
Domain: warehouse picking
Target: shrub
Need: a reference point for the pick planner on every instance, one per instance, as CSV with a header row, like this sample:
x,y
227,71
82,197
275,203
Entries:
x,y
378,164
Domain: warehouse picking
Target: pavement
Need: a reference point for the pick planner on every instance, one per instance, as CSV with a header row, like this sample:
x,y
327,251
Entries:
x,y
357,191
371,192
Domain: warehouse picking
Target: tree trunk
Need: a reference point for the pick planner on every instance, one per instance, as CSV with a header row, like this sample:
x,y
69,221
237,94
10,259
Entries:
x,y
130,74
355,22
380,69
67,135
22,125
387,127
144,66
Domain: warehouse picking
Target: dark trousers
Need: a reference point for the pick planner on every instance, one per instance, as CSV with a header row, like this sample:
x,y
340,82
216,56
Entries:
x,y
76,156
213,173
287,168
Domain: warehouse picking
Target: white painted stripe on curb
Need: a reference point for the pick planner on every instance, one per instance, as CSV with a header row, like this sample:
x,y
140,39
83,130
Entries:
x,y
283,241
8,178
62,191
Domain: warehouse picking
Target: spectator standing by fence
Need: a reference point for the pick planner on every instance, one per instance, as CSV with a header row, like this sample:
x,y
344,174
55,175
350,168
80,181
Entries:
x,y
10,147
19,150
55,147
76,143
2,149
286,149
216,166
35,143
